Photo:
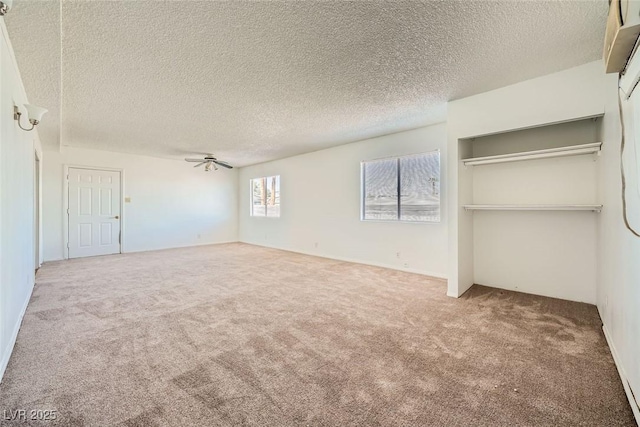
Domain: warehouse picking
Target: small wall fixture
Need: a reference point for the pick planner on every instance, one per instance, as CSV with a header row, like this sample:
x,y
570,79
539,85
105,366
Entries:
x,y
5,6
34,114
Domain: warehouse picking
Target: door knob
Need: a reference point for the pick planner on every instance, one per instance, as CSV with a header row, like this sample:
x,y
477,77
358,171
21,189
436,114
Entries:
x,y
116,217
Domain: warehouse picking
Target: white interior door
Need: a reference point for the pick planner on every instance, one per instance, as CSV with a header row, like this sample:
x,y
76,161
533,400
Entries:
x,y
94,212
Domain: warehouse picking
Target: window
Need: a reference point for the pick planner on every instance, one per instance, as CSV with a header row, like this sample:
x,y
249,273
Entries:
x,y
402,188
265,196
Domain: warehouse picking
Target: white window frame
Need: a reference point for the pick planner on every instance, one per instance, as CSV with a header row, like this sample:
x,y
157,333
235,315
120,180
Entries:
x,y
251,204
399,215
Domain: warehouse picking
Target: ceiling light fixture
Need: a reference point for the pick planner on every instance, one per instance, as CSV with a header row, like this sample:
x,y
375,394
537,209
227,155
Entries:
x,y
209,163
5,6
34,114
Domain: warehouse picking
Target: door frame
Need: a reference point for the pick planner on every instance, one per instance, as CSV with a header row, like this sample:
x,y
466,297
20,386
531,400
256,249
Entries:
x,y
37,204
65,204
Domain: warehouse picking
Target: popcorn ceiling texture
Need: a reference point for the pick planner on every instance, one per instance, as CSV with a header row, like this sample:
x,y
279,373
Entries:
x,y
252,82
34,30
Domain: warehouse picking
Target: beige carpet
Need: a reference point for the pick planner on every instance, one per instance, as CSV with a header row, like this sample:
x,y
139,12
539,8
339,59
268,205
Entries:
x,y
241,335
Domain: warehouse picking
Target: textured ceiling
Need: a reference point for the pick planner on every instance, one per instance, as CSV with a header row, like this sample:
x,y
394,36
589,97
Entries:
x,y
256,81
34,30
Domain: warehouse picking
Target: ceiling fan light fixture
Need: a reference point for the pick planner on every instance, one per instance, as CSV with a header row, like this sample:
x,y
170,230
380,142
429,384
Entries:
x,y
209,162
5,6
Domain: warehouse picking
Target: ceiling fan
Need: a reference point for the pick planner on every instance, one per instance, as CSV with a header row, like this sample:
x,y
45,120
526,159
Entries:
x,y
210,162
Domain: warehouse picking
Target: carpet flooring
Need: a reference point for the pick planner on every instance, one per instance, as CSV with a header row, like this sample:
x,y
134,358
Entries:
x,y
234,334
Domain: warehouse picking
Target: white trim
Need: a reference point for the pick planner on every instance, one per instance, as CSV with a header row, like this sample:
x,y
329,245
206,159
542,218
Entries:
x,y
526,207
12,342
363,163
422,153
439,276
168,248
37,200
65,205
40,213
623,376
630,76
539,125
571,150
251,215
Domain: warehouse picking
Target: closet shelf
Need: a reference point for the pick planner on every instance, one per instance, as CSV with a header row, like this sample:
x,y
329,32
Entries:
x,y
594,208
571,150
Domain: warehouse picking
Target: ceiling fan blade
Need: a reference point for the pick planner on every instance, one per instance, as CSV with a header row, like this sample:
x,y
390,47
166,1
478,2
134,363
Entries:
x,y
199,164
223,164
195,160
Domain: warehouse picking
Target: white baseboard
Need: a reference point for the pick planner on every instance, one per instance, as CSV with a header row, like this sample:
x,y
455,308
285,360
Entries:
x,y
223,242
623,375
355,261
457,293
14,336
191,245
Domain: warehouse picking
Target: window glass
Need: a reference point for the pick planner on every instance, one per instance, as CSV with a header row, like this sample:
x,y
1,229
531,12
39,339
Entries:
x,y
420,187
402,188
380,180
273,196
265,196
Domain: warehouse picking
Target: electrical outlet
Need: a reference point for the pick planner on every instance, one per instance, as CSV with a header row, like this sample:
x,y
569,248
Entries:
x,y
199,236
315,245
398,255
406,265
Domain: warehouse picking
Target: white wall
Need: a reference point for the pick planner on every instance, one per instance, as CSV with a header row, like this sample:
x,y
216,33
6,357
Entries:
x,y
563,96
17,231
320,195
172,203
546,253
618,291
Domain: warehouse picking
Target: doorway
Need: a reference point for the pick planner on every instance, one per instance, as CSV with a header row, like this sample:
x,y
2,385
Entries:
x,y
94,212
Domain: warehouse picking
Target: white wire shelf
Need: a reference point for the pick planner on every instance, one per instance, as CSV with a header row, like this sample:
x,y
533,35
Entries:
x,y
571,150
593,208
